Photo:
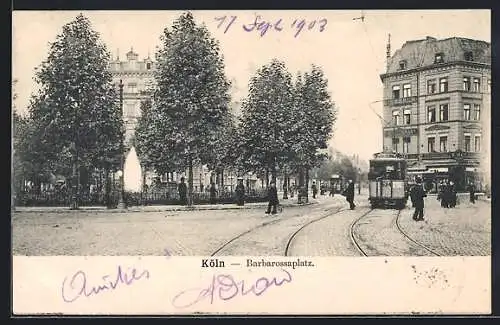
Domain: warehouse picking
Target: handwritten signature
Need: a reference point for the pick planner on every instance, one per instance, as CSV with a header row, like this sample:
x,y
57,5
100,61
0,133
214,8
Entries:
x,y
263,26
225,287
77,285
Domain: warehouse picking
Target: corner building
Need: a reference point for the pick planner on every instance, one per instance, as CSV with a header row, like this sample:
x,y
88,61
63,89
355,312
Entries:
x,y
437,109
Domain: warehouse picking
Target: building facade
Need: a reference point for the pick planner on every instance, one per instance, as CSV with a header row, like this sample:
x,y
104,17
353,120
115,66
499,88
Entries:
x,y
437,108
138,79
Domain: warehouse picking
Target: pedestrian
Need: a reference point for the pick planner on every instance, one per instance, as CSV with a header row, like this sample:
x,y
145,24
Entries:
x,y
314,189
417,196
240,193
292,190
472,193
453,195
272,195
349,194
446,195
213,193
182,188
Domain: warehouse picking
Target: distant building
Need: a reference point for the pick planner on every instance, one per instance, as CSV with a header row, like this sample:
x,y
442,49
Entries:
x,y
437,108
138,78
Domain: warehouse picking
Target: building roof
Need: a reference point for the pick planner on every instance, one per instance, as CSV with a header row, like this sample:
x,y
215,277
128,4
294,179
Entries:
x,y
420,53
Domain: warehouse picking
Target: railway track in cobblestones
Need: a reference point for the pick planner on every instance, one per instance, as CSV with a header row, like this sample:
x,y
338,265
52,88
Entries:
x,y
407,237
352,235
292,237
272,222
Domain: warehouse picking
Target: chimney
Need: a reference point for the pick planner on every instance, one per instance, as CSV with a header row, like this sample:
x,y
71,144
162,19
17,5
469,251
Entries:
x,y
388,53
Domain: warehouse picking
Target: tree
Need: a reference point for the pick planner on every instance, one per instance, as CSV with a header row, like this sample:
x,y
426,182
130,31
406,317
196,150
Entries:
x,y
191,99
266,121
77,107
315,115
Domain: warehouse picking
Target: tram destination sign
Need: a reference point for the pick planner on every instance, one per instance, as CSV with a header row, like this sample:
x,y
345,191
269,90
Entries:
x,y
396,133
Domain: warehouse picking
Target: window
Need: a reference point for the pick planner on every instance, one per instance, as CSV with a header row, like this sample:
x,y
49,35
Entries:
x,y
466,84
132,87
402,65
477,112
467,142
443,112
431,114
396,92
129,110
477,143
467,112
477,85
407,116
469,56
430,144
431,86
148,66
439,58
406,144
395,118
395,142
407,90
443,144
443,85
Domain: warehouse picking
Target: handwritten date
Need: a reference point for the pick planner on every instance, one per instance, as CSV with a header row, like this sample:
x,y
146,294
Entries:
x,y
262,26
225,287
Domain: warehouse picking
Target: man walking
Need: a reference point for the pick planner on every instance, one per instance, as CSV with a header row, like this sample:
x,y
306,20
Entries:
x,y
472,193
349,194
273,198
182,188
240,193
314,189
417,195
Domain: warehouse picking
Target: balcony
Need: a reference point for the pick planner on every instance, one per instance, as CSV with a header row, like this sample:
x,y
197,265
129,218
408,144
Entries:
x,y
400,101
456,155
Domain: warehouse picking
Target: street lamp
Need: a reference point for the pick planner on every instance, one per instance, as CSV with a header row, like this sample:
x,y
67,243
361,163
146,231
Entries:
x,y
121,202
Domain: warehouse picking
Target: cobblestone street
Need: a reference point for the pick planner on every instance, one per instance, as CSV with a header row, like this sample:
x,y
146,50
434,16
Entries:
x,y
464,230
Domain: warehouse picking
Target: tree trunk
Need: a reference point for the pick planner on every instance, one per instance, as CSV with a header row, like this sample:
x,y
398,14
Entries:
x,y
267,178
190,182
306,187
221,189
300,192
76,185
107,189
285,185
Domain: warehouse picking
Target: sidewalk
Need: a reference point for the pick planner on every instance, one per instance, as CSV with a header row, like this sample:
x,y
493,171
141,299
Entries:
x,y
163,208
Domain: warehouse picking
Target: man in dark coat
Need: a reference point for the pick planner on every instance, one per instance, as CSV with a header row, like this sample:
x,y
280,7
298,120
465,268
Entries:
x,y
349,194
240,193
182,192
213,193
272,195
472,193
314,189
417,195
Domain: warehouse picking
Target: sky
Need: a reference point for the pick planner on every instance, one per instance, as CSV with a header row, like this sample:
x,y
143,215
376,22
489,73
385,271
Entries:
x,y
350,51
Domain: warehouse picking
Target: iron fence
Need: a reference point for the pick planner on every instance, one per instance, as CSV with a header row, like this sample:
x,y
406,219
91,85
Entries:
x,y
61,199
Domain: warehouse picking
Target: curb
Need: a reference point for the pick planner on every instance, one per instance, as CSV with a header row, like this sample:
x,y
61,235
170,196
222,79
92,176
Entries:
x,y
159,209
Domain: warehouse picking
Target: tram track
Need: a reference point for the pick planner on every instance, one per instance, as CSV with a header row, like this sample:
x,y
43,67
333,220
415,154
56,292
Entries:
x,y
295,233
273,222
358,245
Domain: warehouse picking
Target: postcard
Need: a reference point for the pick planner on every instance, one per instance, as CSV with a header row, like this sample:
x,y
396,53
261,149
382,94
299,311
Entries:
x,y
273,162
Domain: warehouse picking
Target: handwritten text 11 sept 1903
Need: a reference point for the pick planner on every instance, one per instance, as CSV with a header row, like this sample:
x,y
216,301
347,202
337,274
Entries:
x,y
262,26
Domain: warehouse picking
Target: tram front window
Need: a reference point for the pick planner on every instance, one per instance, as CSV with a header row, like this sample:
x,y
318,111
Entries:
x,y
384,170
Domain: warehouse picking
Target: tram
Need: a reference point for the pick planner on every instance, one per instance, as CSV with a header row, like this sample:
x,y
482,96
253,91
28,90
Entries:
x,y
337,183
388,184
